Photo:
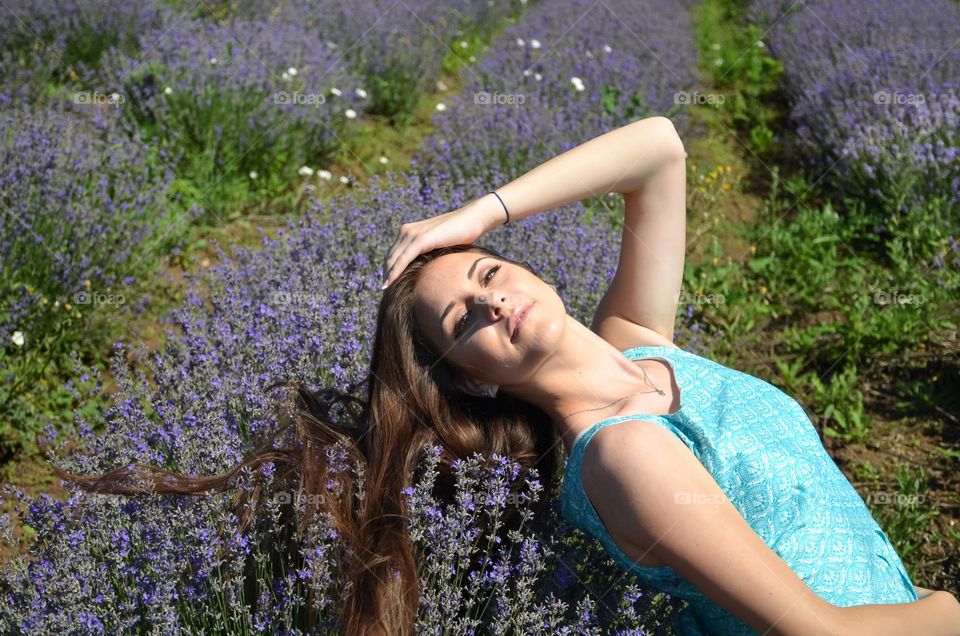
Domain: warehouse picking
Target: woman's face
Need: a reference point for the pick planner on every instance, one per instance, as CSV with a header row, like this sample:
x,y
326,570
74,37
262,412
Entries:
x,y
466,305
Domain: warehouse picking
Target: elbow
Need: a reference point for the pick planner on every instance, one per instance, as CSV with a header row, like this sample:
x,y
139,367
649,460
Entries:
x,y
667,139
670,142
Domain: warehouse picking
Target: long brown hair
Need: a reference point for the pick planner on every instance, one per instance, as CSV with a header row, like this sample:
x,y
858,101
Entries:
x,y
412,404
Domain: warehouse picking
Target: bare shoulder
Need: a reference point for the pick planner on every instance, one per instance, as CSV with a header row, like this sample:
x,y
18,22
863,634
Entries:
x,y
656,498
624,334
617,459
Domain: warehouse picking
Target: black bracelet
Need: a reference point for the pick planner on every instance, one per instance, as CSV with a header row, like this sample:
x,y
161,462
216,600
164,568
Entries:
x,y
494,193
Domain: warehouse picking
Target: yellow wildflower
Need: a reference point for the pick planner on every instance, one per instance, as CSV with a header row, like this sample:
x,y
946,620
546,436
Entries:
x,y
726,187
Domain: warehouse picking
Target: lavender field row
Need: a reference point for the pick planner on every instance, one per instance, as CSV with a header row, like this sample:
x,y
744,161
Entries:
x,y
875,95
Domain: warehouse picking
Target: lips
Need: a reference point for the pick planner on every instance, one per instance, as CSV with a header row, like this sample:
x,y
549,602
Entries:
x,y
519,317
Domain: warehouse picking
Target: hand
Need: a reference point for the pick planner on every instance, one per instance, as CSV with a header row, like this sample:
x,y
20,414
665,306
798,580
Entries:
x,y
463,225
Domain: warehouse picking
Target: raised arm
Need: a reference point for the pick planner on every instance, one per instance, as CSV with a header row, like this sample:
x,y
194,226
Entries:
x,y
629,160
653,491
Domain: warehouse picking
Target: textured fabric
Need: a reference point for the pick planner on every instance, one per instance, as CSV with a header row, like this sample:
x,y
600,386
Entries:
x,y
764,453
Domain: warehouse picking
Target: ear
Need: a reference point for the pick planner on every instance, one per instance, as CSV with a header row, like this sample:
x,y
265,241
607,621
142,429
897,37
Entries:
x,y
473,387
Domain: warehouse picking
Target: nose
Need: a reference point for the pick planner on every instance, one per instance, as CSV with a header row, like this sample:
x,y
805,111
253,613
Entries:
x,y
496,303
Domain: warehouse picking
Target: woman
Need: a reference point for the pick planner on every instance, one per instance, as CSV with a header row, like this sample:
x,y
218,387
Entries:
x,y
714,486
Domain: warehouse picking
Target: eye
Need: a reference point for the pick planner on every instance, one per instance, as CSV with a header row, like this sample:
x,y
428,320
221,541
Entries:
x,y
461,322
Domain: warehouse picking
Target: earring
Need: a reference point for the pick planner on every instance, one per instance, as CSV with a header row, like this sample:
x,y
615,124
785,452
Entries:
x,y
491,392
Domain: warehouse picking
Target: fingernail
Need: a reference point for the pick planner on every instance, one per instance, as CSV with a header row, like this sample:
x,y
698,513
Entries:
x,y
384,286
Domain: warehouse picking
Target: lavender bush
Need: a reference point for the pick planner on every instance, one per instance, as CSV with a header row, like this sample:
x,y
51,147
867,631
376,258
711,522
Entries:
x,y
301,308
561,75
82,212
398,48
875,95
64,41
237,106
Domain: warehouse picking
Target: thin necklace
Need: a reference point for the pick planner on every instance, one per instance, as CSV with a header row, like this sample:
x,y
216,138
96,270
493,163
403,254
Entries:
x,y
623,398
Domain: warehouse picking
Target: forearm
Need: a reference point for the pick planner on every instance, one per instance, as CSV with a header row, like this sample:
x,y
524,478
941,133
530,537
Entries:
x,y
621,160
934,615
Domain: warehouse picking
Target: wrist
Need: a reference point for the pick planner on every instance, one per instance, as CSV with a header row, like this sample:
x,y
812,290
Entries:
x,y
490,211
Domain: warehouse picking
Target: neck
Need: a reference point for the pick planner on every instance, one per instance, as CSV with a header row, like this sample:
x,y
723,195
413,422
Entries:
x,y
584,372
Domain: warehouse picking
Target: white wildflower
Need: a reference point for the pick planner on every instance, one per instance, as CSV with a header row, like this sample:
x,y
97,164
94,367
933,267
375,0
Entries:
x,y
520,42
441,86
362,94
344,180
285,75
527,72
537,76
350,113
441,107
213,60
577,83
383,159
253,174
305,171
607,49
291,71
168,91
463,44
324,174
534,44
18,338
336,91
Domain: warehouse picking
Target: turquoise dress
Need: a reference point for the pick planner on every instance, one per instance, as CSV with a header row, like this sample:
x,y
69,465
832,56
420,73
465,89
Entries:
x,y
764,453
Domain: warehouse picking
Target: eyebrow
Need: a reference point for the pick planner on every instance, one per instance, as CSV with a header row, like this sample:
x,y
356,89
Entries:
x,y
449,307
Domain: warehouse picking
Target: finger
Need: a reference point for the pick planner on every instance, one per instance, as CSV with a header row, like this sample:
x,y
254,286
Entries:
x,y
413,249
397,245
395,257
